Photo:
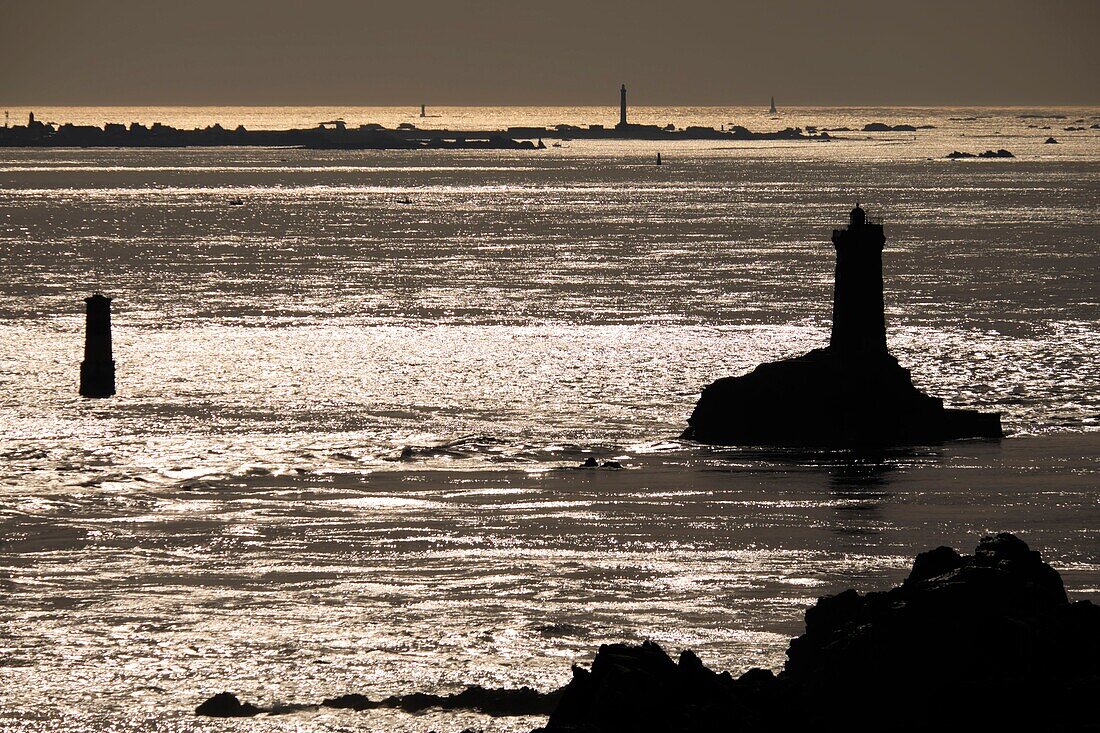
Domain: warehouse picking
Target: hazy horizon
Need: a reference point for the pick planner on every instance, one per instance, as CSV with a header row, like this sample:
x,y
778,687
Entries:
x,y
494,53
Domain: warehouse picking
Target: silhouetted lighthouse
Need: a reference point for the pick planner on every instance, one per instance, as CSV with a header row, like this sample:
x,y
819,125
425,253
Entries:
x,y
859,319
622,106
97,371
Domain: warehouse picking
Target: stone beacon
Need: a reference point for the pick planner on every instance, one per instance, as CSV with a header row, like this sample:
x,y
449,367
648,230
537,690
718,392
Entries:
x,y
97,371
852,392
622,107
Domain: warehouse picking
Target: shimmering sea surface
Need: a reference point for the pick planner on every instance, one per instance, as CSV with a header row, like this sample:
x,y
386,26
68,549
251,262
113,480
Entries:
x,y
341,454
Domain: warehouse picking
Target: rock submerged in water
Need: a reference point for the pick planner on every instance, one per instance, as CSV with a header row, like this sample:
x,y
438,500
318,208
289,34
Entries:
x,y
983,640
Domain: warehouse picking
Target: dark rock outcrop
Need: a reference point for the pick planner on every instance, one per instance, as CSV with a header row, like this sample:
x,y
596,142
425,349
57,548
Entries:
x,y
883,127
980,641
849,394
828,398
226,705
494,702
995,620
1002,153
489,701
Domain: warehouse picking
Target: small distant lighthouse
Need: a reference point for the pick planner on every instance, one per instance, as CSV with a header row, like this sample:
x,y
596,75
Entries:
x,y
859,319
97,371
622,106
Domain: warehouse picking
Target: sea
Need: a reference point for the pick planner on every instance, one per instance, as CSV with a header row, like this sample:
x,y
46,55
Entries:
x,y
343,453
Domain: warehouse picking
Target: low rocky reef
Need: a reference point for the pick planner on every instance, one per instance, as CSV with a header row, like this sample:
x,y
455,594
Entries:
x,y
979,641
883,127
1002,153
488,701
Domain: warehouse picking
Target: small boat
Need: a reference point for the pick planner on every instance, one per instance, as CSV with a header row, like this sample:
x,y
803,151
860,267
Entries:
x,y
405,200
236,202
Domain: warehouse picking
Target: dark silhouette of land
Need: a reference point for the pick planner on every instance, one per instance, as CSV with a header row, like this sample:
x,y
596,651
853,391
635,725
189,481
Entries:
x,y
989,638
489,701
97,371
966,642
335,134
852,392
1001,153
883,127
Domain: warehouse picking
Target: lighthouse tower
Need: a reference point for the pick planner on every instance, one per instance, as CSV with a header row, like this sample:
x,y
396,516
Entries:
x,y
97,371
622,107
859,319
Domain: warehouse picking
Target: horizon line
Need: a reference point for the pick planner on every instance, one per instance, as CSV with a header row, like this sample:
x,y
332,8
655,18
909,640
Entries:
x,y
255,105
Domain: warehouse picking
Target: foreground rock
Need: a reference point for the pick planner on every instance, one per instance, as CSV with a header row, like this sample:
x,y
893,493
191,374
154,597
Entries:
x,y
851,393
985,640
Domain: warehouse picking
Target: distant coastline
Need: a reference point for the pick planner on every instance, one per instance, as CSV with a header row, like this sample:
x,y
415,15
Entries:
x,y
336,134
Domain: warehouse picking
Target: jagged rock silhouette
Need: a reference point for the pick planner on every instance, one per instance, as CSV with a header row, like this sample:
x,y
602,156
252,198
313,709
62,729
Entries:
x,y
983,640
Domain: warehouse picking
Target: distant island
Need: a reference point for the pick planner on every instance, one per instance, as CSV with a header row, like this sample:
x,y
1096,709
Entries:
x,y
338,135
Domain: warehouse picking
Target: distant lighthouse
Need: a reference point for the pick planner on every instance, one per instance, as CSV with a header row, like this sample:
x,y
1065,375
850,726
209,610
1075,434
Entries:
x,y
773,109
97,371
622,106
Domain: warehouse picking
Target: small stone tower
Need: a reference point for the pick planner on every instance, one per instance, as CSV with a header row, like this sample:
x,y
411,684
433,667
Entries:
x,y
97,371
859,319
622,106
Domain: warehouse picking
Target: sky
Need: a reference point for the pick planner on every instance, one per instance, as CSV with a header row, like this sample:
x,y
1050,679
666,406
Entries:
x,y
564,52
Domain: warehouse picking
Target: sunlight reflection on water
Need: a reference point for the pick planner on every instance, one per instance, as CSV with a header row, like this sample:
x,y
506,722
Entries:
x,y
340,458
